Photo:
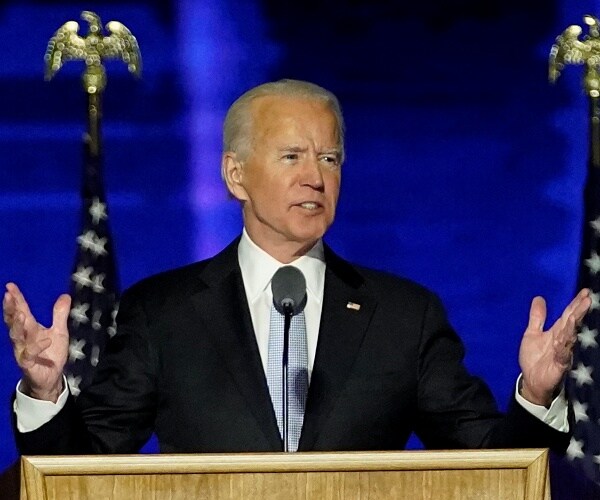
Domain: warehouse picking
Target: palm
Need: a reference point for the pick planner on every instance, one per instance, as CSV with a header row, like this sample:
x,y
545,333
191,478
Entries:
x,y
538,358
45,368
545,356
40,352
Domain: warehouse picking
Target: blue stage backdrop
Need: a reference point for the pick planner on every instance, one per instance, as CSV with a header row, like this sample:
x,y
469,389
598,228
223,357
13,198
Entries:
x,y
464,169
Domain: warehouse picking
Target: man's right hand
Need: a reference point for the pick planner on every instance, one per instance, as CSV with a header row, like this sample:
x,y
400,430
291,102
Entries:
x,y
41,352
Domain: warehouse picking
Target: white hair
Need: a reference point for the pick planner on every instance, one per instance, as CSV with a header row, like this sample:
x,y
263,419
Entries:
x,y
237,128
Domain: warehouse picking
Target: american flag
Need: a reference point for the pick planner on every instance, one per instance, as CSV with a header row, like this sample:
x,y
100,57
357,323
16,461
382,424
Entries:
x,y
93,281
584,381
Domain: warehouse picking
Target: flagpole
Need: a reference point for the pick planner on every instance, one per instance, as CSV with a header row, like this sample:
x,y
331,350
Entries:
x,y
94,114
591,83
595,130
94,82
94,288
573,47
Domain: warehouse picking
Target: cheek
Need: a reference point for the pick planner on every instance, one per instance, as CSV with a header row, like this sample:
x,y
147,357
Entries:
x,y
332,187
272,200
261,189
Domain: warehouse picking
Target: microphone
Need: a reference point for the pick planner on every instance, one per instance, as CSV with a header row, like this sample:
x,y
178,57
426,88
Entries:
x,y
289,298
289,290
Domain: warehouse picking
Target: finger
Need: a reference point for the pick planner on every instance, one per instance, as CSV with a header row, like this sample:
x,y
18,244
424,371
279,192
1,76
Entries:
x,y
20,304
564,341
26,347
579,304
582,309
60,313
9,303
8,308
30,353
567,332
20,301
537,314
21,335
574,317
17,330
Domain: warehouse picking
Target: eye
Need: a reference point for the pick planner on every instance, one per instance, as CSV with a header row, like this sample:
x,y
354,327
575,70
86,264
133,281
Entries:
x,y
332,160
290,156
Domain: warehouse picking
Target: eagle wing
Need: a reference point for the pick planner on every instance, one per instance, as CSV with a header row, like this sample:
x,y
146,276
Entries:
x,y
121,44
65,45
568,49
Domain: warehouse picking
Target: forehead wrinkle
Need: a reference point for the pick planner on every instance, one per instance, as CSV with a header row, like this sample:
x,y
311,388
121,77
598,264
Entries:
x,y
268,120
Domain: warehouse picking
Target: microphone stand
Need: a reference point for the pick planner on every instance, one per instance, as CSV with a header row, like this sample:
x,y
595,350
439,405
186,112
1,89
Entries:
x,y
284,377
289,291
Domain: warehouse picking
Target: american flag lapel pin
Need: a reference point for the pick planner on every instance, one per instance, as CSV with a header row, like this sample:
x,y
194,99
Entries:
x,y
353,305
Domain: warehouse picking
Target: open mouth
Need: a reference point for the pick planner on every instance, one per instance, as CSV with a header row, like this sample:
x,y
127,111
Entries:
x,y
310,205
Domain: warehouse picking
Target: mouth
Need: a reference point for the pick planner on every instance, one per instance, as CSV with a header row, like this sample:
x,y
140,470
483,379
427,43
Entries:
x,y
310,205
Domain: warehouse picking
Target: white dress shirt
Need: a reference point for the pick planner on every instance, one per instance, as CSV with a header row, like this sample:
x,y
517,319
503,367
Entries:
x,y
258,267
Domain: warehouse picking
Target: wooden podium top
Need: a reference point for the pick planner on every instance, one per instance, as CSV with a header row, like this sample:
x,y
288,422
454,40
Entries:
x,y
436,475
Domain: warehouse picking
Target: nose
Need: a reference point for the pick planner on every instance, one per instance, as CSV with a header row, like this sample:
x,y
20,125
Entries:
x,y
312,174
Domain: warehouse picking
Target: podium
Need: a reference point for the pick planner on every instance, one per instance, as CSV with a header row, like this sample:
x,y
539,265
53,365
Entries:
x,y
439,475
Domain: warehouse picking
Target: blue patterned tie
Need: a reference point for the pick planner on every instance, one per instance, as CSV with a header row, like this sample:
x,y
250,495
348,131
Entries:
x,y
297,373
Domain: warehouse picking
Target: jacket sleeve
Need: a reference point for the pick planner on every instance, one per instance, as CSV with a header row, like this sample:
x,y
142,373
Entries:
x,y
116,413
457,409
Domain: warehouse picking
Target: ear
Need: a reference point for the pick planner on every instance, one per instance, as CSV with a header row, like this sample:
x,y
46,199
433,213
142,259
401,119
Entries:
x,y
232,173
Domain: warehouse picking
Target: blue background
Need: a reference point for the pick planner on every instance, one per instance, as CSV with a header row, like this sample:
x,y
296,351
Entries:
x,y
464,170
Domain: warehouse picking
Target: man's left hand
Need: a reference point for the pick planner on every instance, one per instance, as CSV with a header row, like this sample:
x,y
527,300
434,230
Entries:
x,y
546,356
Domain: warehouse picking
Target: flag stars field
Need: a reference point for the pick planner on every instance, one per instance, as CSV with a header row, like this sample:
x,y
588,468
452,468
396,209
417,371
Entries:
x,y
74,381
575,449
580,411
97,211
79,314
587,337
593,263
596,225
582,374
93,243
76,350
82,277
98,283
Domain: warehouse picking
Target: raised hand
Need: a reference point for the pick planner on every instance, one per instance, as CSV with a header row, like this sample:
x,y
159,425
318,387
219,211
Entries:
x,y
40,352
546,356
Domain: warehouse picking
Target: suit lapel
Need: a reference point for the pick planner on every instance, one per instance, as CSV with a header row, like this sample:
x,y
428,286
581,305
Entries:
x,y
223,309
347,311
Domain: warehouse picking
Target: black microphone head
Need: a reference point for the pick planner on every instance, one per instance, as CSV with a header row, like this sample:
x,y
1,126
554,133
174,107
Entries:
x,y
289,290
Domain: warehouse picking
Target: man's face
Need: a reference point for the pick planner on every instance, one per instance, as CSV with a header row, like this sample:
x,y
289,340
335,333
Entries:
x,y
289,181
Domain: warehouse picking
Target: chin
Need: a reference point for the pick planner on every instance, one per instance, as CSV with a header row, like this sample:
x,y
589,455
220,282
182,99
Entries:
x,y
310,235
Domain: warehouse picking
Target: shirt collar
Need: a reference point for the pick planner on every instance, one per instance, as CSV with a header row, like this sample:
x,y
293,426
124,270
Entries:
x,y
258,267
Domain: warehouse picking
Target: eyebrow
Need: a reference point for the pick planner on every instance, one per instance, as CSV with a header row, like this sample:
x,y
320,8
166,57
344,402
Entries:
x,y
300,149
292,149
297,149
334,151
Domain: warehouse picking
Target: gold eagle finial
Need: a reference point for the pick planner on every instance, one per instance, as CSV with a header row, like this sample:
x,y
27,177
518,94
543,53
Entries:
x,y
571,49
67,45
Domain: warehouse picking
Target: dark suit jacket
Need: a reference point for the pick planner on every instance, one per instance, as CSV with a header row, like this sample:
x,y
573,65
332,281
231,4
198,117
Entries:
x,y
186,365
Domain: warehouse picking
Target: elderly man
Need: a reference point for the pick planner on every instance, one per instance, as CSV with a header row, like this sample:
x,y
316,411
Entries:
x,y
194,355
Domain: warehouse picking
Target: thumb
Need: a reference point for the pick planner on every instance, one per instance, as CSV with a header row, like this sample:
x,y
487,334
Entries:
x,y
60,313
537,314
